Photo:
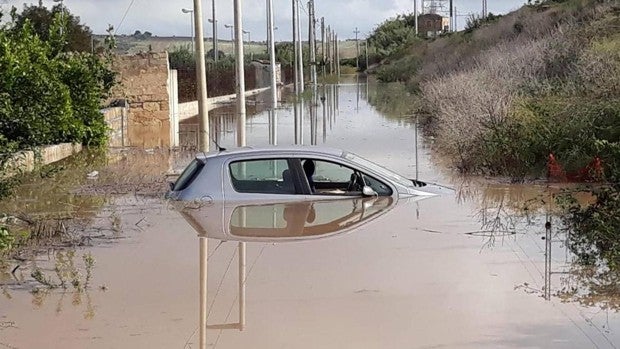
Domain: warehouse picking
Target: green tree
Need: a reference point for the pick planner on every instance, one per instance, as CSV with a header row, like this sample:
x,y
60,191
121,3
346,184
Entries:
x,y
394,34
78,36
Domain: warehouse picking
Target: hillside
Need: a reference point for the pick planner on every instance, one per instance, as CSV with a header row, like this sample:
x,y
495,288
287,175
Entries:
x,y
507,92
127,44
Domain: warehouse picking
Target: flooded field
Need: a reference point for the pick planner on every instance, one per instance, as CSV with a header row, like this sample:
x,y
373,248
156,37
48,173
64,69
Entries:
x,y
469,268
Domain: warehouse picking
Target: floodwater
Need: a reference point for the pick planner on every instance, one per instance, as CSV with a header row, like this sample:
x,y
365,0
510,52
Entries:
x,y
465,269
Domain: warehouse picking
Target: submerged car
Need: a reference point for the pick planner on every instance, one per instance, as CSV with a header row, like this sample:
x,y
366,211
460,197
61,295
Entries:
x,y
280,174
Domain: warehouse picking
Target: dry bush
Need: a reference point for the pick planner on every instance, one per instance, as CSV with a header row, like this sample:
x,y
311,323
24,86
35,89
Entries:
x,y
468,104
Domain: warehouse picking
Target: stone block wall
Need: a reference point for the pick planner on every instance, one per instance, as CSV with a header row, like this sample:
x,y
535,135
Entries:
x,y
144,84
116,119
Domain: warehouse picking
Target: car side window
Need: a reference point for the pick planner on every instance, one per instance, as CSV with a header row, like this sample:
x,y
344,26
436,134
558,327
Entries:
x,y
379,187
266,176
329,178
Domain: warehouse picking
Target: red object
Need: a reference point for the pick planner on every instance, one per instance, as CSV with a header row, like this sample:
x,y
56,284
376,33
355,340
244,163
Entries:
x,y
592,172
555,170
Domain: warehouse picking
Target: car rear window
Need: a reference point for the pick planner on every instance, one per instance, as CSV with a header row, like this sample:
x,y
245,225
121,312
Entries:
x,y
189,174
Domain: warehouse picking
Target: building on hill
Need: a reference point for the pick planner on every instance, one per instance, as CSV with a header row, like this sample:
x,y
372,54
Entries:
x,y
432,24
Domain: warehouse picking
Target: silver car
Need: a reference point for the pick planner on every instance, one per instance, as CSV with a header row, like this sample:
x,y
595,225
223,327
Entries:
x,y
283,174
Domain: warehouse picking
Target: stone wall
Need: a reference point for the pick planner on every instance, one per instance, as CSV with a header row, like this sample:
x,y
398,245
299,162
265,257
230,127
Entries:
x,y
144,84
27,161
116,119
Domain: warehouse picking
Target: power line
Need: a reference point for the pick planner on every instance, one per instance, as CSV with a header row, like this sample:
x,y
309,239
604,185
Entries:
x,y
124,15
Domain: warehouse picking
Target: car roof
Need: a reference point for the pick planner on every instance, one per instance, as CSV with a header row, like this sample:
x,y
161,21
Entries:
x,y
272,150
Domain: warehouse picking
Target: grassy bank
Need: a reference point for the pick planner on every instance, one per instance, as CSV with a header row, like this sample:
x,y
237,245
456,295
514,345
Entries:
x,y
502,95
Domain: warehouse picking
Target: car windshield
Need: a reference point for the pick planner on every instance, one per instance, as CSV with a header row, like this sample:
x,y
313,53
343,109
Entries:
x,y
378,169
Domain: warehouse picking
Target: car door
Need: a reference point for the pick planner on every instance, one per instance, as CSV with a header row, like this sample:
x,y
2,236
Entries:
x,y
262,179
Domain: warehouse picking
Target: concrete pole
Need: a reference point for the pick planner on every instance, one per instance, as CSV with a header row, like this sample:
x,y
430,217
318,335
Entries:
x,y
201,89
240,74
323,57
295,73
357,47
415,14
366,51
337,54
273,139
329,50
300,61
242,278
215,44
312,42
295,55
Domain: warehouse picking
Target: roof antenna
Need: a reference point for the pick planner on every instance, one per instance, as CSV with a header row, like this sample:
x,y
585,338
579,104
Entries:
x,y
218,146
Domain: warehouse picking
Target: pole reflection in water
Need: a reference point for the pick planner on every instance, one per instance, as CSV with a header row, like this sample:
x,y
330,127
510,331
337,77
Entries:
x,y
203,248
357,85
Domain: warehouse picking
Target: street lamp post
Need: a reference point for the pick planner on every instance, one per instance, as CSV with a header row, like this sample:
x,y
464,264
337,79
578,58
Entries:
x,y
232,34
215,44
191,20
249,42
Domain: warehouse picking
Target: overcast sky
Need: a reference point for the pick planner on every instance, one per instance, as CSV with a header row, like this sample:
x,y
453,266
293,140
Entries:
x,y
164,17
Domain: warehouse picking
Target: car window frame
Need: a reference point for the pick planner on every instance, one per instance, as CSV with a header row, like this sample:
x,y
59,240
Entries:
x,y
337,161
298,184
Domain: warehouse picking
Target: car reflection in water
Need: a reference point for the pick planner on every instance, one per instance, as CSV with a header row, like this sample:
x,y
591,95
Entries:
x,y
274,223
280,222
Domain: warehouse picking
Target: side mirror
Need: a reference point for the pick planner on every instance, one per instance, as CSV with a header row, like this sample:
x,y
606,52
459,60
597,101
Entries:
x,y
368,191
171,185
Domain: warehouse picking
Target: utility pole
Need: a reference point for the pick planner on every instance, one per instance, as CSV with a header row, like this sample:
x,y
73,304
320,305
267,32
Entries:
x,y
295,64
312,42
484,9
456,24
241,115
452,29
337,54
274,92
215,44
300,61
357,46
330,50
415,15
203,140
366,50
203,110
323,56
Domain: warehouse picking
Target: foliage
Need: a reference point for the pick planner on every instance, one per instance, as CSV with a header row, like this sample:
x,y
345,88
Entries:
x,y
48,96
394,34
78,36
67,273
400,70
475,21
595,227
6,239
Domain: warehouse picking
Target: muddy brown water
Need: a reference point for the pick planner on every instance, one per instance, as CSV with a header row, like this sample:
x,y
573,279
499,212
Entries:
x,y
465,269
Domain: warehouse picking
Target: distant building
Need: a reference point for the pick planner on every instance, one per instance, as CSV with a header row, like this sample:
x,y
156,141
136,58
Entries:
x,y
432,24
